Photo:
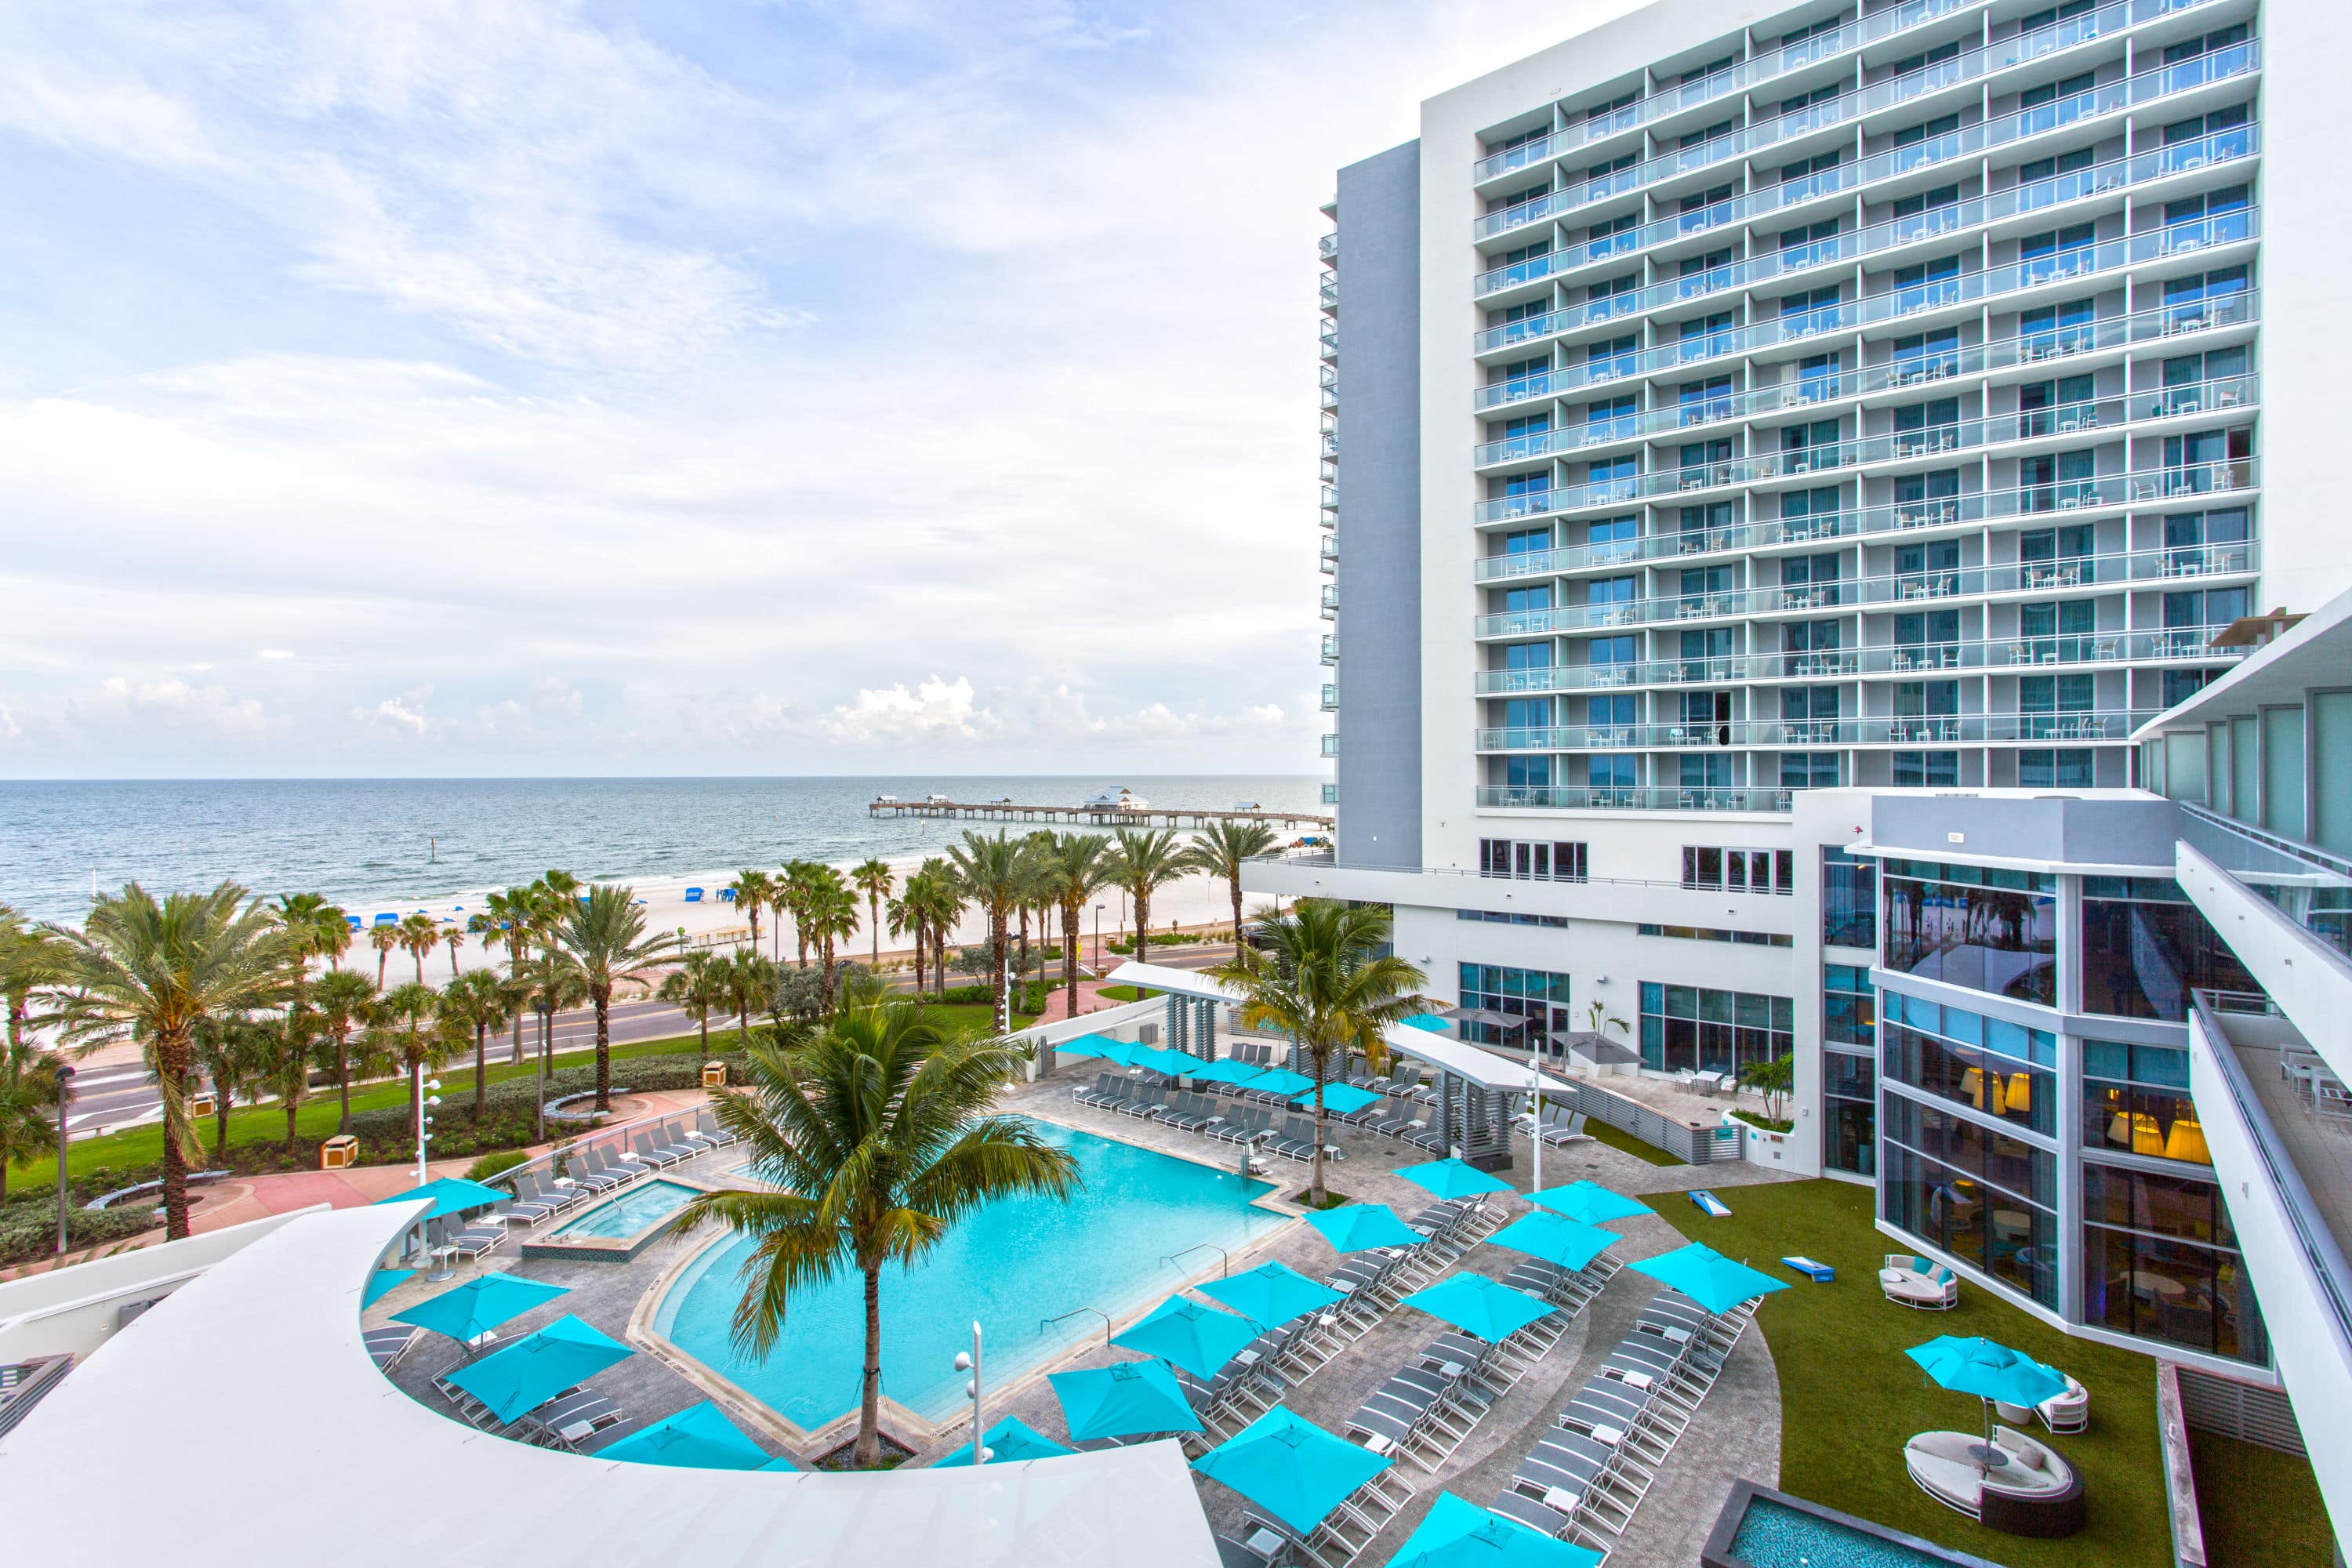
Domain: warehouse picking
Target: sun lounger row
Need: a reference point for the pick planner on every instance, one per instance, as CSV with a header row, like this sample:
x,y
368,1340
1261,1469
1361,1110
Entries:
x,y
385,1346
1346,1529
1585,1475
1292,1138
1560,1126
1264,1372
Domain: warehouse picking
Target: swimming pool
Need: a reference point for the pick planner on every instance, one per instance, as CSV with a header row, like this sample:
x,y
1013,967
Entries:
x,y
617,1219
1010,1267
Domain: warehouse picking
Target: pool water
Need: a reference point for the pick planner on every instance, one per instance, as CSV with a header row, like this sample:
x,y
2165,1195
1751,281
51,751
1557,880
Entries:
x,y
1010,1267
1772,1535
617,1219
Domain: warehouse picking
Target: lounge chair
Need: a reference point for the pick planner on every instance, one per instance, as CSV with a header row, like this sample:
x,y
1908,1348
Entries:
x,y
1186,1114
1288,1144
526,1205
617,1162
644,1147
1150,1099
1093,1093
385,1346
584,1178
563,1421
2067,1412
1561,1128
669,1141
2032,1491
532,1188
1918,1283
707,1125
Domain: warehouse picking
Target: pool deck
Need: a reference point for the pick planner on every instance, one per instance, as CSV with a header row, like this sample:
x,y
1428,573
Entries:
x,y
1736,1432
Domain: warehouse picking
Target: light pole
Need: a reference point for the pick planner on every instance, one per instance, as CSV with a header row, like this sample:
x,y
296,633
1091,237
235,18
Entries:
x,y
425,1103
1098,946
65,1098
969,1361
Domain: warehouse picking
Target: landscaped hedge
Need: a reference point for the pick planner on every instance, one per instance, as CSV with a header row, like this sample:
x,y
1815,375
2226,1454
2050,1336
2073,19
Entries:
x,y
28,1225
1028,997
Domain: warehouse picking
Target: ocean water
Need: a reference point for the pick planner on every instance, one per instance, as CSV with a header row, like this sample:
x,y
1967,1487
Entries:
x,y
376,840
1011,1267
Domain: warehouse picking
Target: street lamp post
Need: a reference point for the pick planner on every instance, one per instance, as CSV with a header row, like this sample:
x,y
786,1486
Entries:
x,y
969,1361
1098,946
424,1102
65,1098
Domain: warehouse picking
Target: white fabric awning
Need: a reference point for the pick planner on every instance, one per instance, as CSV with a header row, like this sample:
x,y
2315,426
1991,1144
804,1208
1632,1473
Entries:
x,y
262,1356
1465,1060
1191,982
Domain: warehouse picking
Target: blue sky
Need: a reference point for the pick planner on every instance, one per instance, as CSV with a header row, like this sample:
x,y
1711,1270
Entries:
x,y
507,388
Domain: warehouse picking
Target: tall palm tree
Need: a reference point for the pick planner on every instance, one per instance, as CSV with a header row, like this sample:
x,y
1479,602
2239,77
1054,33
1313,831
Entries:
x,y
1221,848
551,982
695,987
227,1052
479,1000
942,906
453,938
793,897
384,938
154,971
1325,980
746,980
1143,861
874,879
989,872
754,890
874,1139
832,918
419,935
344,999
285,1046
905,914
606,936
1076,868
29,960
314,929
32,958
405,1020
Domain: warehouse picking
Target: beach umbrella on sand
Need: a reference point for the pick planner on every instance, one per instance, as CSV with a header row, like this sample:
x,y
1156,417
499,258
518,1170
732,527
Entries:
x,y
1715,1282
479,1305
1477,1305
1271,1294
1449,1179
1353,1228
1568,1243
1199,1339
1123,1401
1291,1468
1008,1442
697,1437
1458,1534
1587,1201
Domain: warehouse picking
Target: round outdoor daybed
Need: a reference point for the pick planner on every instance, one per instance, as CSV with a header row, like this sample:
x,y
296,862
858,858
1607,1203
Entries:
x,y
2030,1491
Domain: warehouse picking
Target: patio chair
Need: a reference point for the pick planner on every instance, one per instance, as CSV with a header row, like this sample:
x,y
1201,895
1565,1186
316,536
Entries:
x,y
642,1146
1559,1129
1150,1099
1233,1129
562,1422
585,1178
708,1125
670,1136
1092,1094
1918,1283
385,1346
1116,1094
1287,1143
2067,1412
541,1188
527,1206
613,1161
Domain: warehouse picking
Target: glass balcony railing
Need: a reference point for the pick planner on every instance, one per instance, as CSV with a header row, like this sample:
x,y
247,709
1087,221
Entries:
x,y
1330,745
1327,247
1329,291
1330,697
2114,98
1330,650
1654,797
1898,730
2310,885
2096,649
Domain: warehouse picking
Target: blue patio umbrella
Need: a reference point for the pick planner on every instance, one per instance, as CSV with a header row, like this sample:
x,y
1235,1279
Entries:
x,y
450,1195
1483,1307
1342,1098
697,1437
1124,1052
1715,1282
1010,1440
479,1305
1291,1468
534,1370
1172,1062
1587,1201
1458,1534
1452,1178
1199,1339
1429,1022
1569,1243
1123,1401
1229,1072
1281,1081
1271,1294
381,1282
1352,1227
1991,1371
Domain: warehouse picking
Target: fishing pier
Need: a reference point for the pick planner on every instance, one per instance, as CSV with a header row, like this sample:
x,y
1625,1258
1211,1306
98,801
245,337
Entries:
x,y
1006,810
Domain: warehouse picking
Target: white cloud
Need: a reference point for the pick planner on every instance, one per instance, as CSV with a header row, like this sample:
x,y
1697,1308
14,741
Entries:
x,y
403,714
934,709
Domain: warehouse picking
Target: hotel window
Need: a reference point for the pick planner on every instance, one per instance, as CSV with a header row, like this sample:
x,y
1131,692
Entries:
x,y
1924,356
2068,767
1849,1007
1849,1113
1695,1028
1809,770
1740,870
1988,930
1611,235
1538,860
2145,947
2005,1070
1925,770
1976,1193
2160,1262
1535,999
1611,771
1713,933
1849,900
1506,917
2057,328
2136,1101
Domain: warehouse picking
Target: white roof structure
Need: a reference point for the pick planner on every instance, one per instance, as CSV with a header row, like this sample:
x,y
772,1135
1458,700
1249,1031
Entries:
x,y
1444,1052
251,1382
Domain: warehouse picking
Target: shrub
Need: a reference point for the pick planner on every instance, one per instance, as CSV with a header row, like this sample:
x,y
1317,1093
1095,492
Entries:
x,y
28,1225
489,1165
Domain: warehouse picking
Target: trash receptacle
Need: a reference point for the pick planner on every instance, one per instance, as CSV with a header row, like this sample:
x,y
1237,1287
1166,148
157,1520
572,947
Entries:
x,y
714,1075
338,1153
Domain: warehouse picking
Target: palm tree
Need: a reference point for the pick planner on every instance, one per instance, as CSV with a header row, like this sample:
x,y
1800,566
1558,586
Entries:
x,y
606,936
403,1024
551,982
832,918
1221,847
227,1052
419,936
793,897
29,960
753,890
697,985
1143,861
480,1001
344,999
1325,980
874,879
385,937
454,939
989,872
746,980
1074,870
151,971
32,958
905,914
285,1046
875,1137
314,929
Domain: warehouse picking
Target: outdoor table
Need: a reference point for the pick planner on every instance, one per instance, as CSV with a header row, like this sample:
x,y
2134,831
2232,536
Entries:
x,y
443,1265
1264,1545
1609,1435
1245,1358
1631,1379
1985,1454
1560,1500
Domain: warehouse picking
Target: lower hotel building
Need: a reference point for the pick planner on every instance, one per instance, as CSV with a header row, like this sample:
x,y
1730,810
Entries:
x,y
1811,503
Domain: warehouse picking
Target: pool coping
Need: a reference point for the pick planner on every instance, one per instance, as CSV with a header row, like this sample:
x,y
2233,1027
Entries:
x,y
918,1432
1718,1552
608,1249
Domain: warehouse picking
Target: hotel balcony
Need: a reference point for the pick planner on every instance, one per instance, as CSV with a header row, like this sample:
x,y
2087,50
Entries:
x,y
1660,797
1331,608
1327,557
1897,730
1330,650
1330,697
1898,661
1331,745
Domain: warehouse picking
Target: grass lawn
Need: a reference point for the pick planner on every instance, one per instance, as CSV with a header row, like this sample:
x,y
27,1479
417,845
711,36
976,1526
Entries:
x,y
2259,1506
1850,1398
1618,1138
1124,994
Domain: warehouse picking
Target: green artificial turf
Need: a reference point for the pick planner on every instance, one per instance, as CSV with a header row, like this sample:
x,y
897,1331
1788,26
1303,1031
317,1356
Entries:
x,y
1618,1138
2260,1509
1850,1398
1124,994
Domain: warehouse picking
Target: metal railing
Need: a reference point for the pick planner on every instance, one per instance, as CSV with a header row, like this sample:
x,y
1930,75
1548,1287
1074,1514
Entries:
x,y
1958,729
1632,797
2024,653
